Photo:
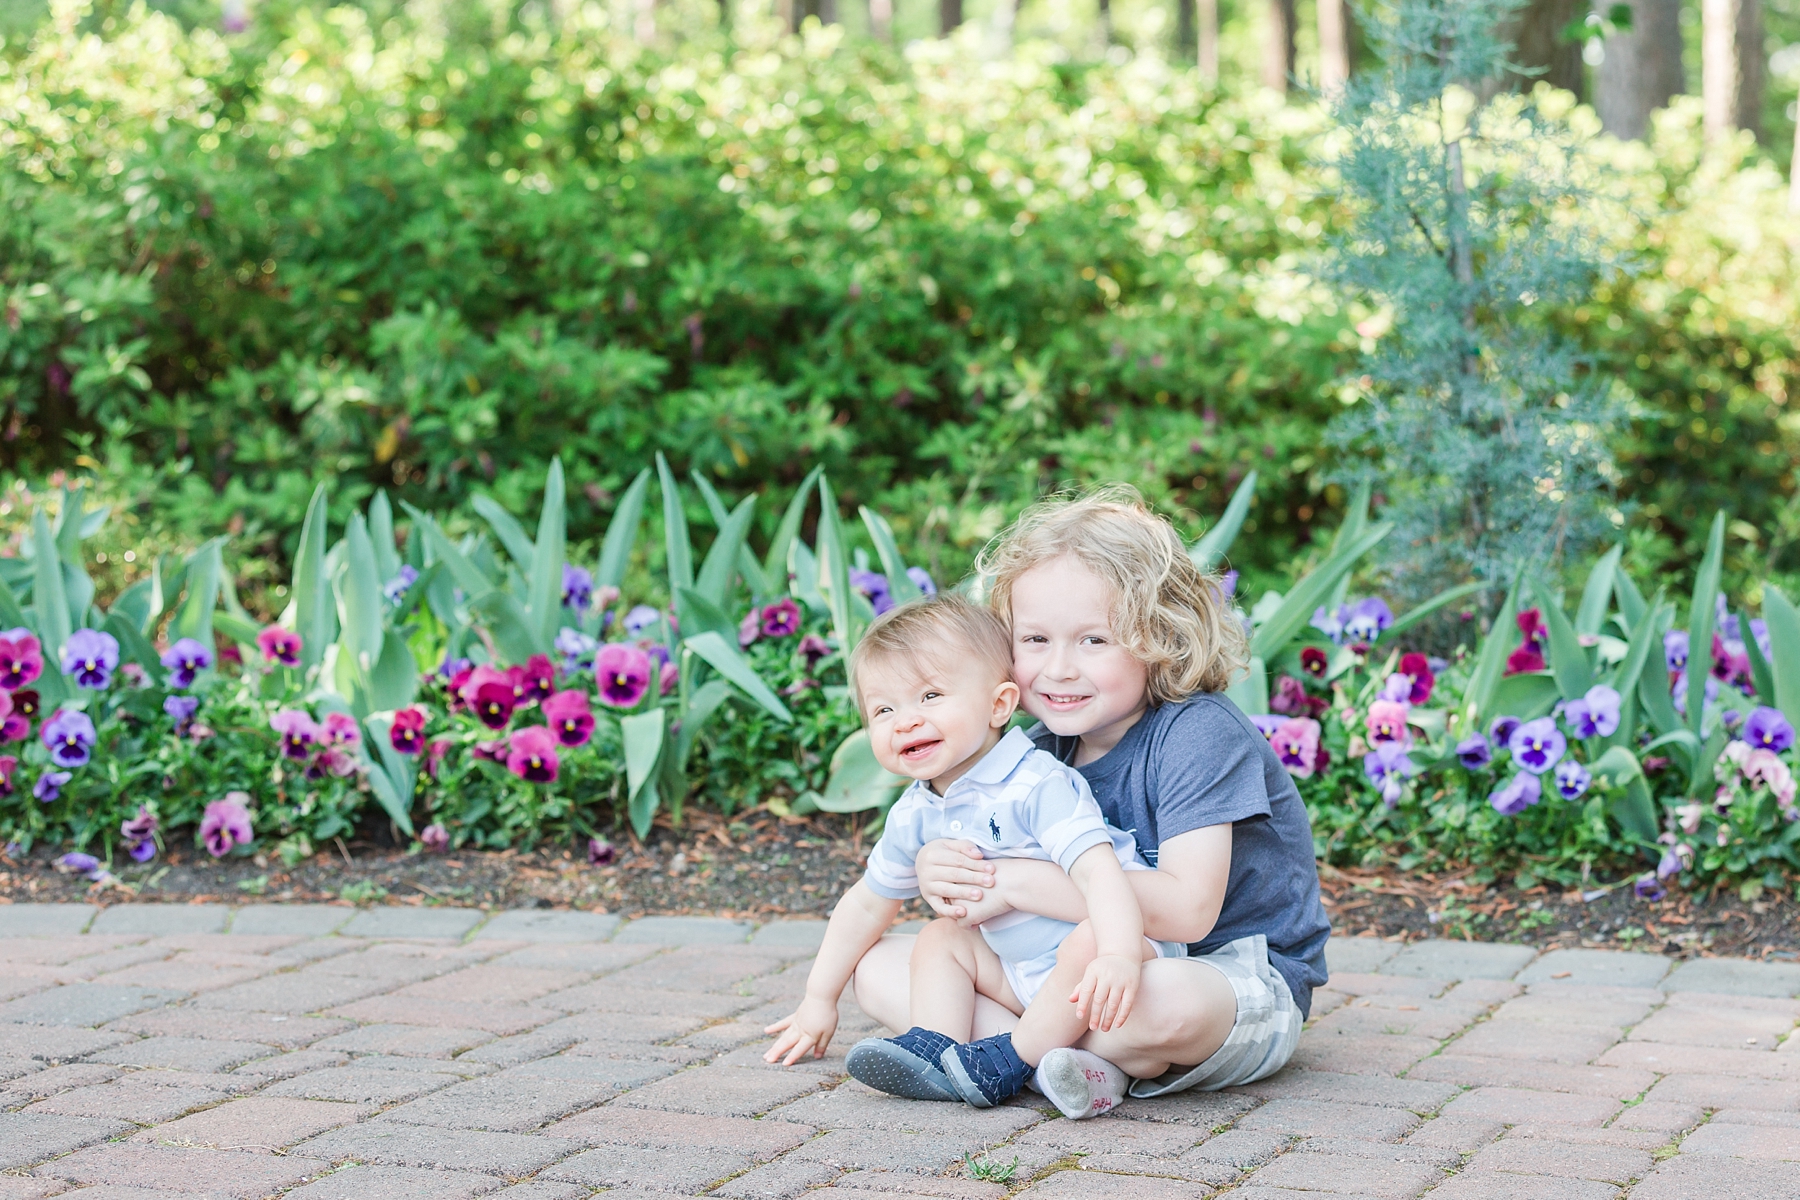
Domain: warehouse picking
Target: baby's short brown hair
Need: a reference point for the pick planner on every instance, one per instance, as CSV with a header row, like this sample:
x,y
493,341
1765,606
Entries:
x,y
940,628
1172,616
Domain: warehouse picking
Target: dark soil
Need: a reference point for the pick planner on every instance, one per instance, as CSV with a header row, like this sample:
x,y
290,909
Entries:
x,y
759,865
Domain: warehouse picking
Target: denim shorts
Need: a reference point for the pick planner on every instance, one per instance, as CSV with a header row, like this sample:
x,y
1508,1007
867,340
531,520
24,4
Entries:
x,y
1263,1037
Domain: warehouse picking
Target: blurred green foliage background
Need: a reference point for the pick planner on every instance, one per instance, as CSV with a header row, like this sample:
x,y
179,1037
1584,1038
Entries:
x,y
427,248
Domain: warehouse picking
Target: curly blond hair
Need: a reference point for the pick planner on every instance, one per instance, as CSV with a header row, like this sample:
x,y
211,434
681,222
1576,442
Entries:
x,y
1172,616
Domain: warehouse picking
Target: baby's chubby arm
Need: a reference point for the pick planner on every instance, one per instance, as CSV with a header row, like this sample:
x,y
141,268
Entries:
x,y
1109,987
857,923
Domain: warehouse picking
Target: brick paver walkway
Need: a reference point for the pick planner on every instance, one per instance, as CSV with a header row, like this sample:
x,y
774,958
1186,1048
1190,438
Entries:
x,y
322,1053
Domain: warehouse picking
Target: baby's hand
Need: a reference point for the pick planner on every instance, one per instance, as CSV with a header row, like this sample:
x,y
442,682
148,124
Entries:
x,y
808,1029
1107,991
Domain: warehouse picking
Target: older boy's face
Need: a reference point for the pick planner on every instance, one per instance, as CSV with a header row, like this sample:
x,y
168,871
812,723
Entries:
x,y
934,721
1075,676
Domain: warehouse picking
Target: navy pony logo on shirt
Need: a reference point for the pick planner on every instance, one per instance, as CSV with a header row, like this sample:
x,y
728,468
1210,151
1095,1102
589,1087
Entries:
x,y
994,828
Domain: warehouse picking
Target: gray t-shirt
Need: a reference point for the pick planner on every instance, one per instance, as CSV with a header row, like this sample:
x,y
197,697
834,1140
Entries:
x,y
1198,762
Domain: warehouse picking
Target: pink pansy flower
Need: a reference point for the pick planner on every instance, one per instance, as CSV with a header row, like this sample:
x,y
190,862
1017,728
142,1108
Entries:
x,y
21,659
340,729
279,645
407,735
623,674
531,754
1296,743
492,695
226,823
1387,722
568,717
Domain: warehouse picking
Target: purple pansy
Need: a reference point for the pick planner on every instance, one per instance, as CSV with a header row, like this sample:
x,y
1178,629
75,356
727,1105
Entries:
x,y
923,581
181,708
1501,730
69,736
1678,692
186,659
1675,649
1388,768
226,823
82,864
1649,888
623,673
577,649
639,619
1267,723
1367,618
434,838
1572,779
299,732
1595,714
1518,794
139,834
91,657
1473,752
874,587
1537,745
49,785
578,588
1768,729
781,619
396,588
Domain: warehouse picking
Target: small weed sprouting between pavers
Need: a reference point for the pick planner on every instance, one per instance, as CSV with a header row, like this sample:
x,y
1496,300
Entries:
x,y
362,892
989,1171
254,887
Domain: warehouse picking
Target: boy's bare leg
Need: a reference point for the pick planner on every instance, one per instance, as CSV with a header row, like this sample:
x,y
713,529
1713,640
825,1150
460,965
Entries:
x,y
951,966
1052,1021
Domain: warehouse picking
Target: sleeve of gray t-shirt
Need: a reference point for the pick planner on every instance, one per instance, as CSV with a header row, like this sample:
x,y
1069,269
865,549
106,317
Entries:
x,y
1207,769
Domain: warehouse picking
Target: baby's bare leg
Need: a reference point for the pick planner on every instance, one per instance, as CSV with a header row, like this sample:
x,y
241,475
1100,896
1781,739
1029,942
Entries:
x,y
1052,1020
950,965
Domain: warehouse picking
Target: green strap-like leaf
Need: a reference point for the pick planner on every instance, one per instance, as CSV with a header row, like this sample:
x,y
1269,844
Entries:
x,y
315,612
1251,693
1414,615
381,533
1597,595
1760,671
1298,605
725,557
706,701
12,614
392,775
514,634
48,600
1568,661
1784,650
506,527
1631,601
195,620
1211,549
1646,639
69,522
360,599
834,570
900,584
747,564
548,554
135,647
803,575
1700,623
642,735
1356,519
678,548
858,782
1635,808
621,533
1491,661
394,681
775,565
724,658
697,614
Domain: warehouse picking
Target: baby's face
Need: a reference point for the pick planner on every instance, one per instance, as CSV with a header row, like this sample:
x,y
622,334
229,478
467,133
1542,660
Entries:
x,y
933,720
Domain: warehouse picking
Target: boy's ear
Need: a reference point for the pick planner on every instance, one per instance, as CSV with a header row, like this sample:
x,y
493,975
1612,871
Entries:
x,y
1006,702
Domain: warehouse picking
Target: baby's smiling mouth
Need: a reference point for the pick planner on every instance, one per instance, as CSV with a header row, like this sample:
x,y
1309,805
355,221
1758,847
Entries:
x,y
920,749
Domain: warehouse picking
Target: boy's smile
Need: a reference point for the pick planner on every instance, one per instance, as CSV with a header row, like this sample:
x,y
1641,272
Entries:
x,y
1077,677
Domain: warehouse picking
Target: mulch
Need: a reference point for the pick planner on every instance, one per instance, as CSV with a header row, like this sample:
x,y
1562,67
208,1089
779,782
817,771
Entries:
x,y
759,865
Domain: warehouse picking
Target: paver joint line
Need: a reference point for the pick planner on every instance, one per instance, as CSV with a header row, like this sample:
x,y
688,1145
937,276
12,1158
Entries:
x,y
454,1052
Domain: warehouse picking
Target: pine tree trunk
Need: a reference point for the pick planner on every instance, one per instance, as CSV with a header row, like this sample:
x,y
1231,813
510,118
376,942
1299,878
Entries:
x,y
881,19
826,11
1184,30
1278,46
1537,44
1106,23
950,15
1642,68
1206,38
1334,45
1731,65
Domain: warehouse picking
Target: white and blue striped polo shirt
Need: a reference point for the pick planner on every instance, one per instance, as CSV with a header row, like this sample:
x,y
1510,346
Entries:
x,y
1017,802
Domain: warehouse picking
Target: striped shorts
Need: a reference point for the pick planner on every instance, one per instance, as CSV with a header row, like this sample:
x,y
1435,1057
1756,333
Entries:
x,y
1263,1037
